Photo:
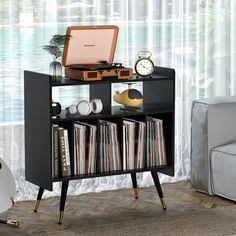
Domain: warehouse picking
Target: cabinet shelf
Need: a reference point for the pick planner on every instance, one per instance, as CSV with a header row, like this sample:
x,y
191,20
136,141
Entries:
x,y
116,111
163,169
158,96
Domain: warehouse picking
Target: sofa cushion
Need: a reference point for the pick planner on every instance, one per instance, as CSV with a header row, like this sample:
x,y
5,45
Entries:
x,y
223,170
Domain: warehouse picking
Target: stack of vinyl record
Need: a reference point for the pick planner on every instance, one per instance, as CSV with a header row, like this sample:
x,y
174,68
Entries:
x,y
109,147
156,151
133,144
85,148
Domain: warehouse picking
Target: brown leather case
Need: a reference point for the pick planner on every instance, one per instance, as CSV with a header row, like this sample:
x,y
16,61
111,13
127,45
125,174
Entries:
x,y
91,45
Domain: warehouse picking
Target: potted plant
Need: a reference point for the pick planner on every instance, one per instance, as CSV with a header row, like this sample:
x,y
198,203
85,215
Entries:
x,y
55,48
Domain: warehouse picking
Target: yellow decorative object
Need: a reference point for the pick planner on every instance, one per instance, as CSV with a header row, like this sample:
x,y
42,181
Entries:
x,y
130,98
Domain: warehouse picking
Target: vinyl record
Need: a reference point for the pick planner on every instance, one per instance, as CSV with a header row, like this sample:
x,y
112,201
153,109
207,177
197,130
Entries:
x,y
7,187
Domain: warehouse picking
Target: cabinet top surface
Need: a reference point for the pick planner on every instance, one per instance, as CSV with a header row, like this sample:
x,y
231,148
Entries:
x,y
68,82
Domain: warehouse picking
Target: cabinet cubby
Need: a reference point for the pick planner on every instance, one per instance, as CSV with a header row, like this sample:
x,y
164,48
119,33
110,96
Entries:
x,y
158,102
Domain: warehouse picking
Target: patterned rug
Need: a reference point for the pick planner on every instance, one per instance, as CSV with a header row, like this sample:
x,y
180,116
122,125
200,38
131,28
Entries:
x,y
118,213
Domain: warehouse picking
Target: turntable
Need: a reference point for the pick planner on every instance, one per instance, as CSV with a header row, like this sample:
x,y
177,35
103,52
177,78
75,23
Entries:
x,y
88,54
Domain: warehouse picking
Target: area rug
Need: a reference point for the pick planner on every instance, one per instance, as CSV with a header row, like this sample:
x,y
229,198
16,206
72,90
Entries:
x,y
118,213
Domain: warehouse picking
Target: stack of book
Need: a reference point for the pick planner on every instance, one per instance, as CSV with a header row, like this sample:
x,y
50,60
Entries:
x,y
156,150
60,152
85,146
133,144
109,147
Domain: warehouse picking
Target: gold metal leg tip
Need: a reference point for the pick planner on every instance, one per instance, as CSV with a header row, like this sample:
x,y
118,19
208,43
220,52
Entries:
x,y
136,193
163,203
36,205
61,217
13,223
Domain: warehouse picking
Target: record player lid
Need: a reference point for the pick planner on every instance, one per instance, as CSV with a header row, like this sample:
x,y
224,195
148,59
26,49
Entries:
x,y
90,44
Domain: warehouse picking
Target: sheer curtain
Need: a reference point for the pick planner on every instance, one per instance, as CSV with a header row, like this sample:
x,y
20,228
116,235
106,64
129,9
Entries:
x,y
196,38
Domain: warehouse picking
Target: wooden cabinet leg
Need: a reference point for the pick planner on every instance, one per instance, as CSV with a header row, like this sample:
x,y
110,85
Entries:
x,y
63,200
40,194
158,187
135,187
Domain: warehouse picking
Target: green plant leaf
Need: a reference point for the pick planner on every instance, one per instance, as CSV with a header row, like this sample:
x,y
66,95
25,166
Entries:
x,y
56,45
59,40
53,50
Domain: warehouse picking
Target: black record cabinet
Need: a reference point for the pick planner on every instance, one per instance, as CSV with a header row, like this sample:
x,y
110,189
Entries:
x,y
158,102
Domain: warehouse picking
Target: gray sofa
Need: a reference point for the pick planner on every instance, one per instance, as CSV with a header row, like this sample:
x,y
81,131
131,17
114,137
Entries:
x,y
213,125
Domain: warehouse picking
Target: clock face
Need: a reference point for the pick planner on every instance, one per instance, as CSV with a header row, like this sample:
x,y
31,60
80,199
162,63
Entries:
x,y
144,67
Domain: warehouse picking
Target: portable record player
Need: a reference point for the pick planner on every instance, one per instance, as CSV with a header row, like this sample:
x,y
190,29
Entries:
x,y
89,52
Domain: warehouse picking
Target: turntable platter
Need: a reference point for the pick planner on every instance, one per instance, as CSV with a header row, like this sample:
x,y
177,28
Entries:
x,y
87,67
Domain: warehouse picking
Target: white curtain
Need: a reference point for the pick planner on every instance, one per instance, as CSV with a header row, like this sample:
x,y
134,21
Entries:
x,y
196,38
